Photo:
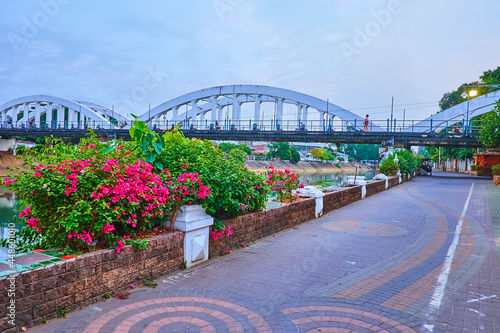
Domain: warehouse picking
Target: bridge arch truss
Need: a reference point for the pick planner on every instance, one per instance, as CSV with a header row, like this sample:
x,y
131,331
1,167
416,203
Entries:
x,y
58,112
218,100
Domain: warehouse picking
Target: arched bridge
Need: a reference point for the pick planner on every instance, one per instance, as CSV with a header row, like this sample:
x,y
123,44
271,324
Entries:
x,y
224,105
51,112
241,112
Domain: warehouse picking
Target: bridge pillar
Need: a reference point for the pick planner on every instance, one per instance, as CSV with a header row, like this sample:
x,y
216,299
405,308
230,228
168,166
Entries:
x,y
48,115
256,113
60,116
236,109
279,111
175,114
26,112
299,115
304,113
193,111
202,121
38,112
220,113
214,109
15,112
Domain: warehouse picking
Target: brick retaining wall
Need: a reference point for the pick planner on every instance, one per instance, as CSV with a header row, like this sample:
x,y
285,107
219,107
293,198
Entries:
x,y
337,199
393,182
74,284
375,187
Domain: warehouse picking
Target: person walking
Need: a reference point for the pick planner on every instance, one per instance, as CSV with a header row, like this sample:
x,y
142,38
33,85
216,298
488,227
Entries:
x,y
367,121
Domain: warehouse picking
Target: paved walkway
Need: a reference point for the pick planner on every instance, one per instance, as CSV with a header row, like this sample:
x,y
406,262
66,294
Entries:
x,y
420,257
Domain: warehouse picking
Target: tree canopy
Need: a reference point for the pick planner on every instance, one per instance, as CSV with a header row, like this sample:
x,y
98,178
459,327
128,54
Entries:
x,y
453,98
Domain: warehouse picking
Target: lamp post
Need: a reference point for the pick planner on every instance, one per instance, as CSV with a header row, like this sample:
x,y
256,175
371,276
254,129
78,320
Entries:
x,y
471,93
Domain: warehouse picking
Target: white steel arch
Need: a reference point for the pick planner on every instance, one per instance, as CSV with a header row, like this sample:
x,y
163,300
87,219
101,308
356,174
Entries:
x,y
214,99
80,114
458,113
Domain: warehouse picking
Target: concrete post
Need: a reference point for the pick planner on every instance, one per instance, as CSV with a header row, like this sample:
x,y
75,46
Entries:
x,y
195,224
256,113
214,110
37,114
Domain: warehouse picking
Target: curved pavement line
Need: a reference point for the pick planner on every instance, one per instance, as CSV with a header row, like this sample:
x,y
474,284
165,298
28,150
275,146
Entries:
x,y
417,294
375,272
464,268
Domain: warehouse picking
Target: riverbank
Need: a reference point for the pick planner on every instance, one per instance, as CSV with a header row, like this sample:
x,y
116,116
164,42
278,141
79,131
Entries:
x,y
7,161
307,167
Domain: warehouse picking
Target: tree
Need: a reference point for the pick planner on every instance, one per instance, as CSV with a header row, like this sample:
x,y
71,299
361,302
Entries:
x,y
490,128
453,98
360,151
226,147
280,150
328,156
244,148
317,152
295,155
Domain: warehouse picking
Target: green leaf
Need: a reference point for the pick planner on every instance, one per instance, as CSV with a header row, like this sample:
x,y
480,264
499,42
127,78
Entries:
x,y
138,134
144,146
151,156
108,149
131,131
158,147
159,165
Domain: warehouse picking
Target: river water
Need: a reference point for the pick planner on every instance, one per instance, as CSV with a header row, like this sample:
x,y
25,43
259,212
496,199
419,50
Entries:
x,y
9,203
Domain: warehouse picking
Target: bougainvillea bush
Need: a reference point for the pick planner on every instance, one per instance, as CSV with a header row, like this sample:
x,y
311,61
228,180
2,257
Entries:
x,y
406,163
235,189
96,194
388,166
283,182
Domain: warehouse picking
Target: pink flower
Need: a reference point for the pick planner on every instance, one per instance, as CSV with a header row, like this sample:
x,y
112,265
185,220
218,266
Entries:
x,y
107,228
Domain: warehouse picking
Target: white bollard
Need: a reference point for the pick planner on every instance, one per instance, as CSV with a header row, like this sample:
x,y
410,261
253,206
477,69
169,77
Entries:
x,y
195,223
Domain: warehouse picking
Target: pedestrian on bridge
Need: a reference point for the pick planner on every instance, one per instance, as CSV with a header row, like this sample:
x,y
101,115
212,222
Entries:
x,y
367,121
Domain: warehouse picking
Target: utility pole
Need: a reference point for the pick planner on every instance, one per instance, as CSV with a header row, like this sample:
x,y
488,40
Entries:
x,y
392,112
404,115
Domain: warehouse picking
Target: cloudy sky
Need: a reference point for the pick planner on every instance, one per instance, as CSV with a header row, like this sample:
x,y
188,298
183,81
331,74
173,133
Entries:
x,y
358,54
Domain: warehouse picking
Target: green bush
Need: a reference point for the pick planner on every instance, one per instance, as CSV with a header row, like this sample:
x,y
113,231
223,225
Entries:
x,y
388,167
94,194
496,170
232,185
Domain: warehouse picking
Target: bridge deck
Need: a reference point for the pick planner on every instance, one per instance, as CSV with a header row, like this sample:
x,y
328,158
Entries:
x,y
400,139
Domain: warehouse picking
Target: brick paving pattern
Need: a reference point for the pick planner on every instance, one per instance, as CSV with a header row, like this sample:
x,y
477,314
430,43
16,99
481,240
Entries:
x,y
394,262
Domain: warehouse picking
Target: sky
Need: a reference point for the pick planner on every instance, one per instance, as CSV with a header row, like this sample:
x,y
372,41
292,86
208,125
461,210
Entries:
x,y
357,54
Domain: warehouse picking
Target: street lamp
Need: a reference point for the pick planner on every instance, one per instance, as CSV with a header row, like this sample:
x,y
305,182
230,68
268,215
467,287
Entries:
x,y
471,93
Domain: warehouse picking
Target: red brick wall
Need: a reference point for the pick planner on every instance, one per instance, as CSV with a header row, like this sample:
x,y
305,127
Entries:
x,y
334,200
77,283
254,226
375,187
393,181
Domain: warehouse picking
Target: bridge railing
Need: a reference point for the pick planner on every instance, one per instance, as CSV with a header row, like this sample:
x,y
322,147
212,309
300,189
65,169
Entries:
x,y
261,125
318,125
62,125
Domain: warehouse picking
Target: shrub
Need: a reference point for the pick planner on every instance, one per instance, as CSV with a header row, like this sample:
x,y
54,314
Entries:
x,y
495,170
235,189
341,159
388,167
99,194
283,182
